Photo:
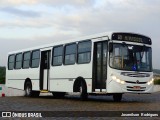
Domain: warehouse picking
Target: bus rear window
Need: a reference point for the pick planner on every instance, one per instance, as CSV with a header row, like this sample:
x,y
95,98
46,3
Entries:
x,y
11,60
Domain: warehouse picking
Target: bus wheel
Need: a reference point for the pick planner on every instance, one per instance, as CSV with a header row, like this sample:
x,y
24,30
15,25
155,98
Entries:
x,y
83,91
28,89
58,94
117,97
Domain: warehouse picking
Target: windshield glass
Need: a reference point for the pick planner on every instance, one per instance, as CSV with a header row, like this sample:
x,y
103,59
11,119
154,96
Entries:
x,y
131,57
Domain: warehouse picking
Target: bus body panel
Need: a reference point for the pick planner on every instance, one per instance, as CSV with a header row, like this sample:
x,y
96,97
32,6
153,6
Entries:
x,y
16,78
62,78
128,87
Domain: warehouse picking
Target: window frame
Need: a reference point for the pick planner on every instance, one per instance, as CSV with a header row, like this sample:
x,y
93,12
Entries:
x,y
11,62
57,55
126,69
64,56
26,60
18,61
34,59
84,52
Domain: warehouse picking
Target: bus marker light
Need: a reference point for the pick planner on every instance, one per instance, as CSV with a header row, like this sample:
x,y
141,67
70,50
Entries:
x,y
118,80
122,82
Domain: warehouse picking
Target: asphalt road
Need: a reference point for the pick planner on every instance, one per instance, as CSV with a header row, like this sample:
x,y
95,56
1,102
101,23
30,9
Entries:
x,y
130,102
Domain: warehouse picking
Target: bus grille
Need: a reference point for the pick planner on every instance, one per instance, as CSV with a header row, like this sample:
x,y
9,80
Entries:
x,y
135,82
129,88
135,74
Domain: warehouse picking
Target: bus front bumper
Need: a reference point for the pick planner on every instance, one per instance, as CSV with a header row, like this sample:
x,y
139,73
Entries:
x,y
114,87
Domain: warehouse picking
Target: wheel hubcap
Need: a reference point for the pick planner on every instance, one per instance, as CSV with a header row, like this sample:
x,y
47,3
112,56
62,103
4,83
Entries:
x,y
80,89
28,90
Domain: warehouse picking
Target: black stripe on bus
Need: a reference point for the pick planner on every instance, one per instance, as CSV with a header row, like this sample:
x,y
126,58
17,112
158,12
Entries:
x,y
22,79
65,78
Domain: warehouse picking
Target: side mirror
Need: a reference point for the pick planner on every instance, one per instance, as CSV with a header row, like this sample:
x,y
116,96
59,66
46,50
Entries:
x,y
110,47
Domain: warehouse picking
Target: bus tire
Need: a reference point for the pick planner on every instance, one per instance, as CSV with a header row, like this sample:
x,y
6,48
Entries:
x,y
83,91
117,97
58,94
29,92
28,89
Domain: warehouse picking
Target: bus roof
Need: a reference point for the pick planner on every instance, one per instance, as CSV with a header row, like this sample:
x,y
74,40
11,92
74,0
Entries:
x,y
93,36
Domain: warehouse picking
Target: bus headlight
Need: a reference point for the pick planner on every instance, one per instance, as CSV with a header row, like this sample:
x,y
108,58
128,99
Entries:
x,y
117,79
150,82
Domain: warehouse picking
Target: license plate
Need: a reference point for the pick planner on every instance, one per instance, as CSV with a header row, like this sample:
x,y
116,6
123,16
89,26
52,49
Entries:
x,y
136,87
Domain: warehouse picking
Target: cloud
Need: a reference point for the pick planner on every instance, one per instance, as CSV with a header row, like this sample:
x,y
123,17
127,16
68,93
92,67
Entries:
x,y
20,13
98,16
75,18
17,2
55,3
36,23
12,44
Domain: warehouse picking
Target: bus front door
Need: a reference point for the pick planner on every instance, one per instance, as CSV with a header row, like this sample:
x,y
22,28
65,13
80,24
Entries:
x,y
100,66
44,69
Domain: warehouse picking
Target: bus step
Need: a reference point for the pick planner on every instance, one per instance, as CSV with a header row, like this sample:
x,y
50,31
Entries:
x,y
44,91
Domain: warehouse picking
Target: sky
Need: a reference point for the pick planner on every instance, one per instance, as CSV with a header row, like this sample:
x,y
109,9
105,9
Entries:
x,y
29,23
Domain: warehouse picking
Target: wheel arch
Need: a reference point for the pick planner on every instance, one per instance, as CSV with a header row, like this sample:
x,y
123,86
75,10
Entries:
x,y
77,83
27,80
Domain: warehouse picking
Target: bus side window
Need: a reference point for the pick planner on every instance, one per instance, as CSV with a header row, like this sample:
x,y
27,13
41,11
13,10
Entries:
x,y
35,59
70,54
57,55
11,60
18,61
26,60
84,52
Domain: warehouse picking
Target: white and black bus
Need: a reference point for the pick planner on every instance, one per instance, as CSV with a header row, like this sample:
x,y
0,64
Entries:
x,y
108,63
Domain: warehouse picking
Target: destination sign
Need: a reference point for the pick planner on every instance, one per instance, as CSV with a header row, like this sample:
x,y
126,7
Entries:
x,y
131,38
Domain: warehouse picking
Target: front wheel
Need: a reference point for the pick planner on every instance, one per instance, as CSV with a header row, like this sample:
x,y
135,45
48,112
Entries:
x,y
117,97
83,91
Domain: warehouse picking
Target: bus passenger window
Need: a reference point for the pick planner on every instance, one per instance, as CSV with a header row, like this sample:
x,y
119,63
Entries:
x,y
26,59
18,61
70,54
84,52
35,59
57,56
11,62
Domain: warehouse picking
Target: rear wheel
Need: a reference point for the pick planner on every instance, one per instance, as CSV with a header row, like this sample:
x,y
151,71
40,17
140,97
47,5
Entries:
x,y
117,97
28,89
29,92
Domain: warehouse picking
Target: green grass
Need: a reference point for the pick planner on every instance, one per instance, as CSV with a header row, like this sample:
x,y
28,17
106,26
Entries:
x,y
2,75
157,81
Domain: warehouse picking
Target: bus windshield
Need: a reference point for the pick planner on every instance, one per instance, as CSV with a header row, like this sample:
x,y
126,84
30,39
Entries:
x,y
131,57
